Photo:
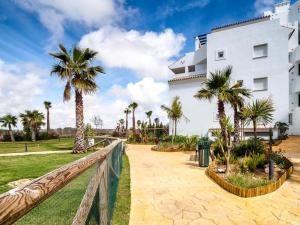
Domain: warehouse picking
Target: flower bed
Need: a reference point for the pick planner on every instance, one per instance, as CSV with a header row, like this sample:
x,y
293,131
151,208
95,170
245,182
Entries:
x,y
171,148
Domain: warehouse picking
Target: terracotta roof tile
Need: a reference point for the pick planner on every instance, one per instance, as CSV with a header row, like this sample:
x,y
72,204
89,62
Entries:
x,y
187,77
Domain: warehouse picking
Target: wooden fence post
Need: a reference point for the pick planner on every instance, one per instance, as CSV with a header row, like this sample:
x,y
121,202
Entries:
x,y
103,194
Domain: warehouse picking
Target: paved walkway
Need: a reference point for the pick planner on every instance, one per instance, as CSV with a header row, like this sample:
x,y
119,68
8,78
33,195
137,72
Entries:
x,y
169,189
34,153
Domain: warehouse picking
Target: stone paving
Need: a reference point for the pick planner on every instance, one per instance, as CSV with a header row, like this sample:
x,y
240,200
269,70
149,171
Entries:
x,y
167,188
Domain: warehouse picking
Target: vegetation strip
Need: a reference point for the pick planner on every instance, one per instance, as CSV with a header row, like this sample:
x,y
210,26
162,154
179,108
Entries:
x,y
123,201
248,192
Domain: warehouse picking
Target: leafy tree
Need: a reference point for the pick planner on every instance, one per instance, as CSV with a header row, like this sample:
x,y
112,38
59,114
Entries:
x,y
97,121
218,86
48,105
149,114
259,111
127,111
133,107
283,129
156,121
139,123
9,121
75,68
32,120
175,114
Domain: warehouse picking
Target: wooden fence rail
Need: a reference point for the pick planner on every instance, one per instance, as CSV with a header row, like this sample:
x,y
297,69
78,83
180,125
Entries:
x,y
17,202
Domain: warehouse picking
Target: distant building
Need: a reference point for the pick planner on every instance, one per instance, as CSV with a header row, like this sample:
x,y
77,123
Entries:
x,y
265,55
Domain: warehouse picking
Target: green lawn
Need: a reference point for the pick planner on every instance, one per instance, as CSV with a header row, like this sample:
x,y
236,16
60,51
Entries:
x,y
31,166
46,145
123,200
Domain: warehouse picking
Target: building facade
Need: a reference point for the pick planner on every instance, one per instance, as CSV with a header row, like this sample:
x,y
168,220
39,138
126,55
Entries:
x,y
265,55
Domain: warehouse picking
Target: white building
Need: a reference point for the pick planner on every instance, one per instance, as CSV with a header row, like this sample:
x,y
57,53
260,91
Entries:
x,y
265,55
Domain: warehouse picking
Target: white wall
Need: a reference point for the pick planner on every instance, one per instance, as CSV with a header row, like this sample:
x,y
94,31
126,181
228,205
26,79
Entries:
x,y
238,44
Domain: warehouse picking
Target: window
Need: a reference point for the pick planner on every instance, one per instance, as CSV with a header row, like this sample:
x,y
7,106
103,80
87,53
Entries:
x,y
179,70
220,54
298,100
299,69
260,51
261,84
192,68
291,118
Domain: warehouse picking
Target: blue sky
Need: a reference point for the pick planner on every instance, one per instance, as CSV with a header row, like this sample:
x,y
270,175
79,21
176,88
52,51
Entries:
x,y
136,41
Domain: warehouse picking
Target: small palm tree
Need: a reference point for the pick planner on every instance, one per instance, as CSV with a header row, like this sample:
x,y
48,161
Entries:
x,y
149,114
127,111
133,107
218,86
259,111
237,93
48,105
9,121
32,120
156,121
175,114
75,68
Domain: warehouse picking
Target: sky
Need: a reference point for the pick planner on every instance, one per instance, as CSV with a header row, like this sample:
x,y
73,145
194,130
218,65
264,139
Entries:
x,y
136,40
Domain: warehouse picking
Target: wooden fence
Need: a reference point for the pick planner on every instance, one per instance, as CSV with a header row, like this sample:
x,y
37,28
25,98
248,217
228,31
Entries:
x,y
248,192
17,202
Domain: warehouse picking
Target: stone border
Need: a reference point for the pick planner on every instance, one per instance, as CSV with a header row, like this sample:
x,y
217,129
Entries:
x,y
248,192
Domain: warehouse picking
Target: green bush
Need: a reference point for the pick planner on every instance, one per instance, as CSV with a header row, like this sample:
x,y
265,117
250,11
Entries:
x,y
250,146
252,162
281,161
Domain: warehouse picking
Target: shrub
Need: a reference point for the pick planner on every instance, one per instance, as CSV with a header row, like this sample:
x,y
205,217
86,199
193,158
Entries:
x,y
283,130
252,162
281,161
134,138
47,136
246,181
250,146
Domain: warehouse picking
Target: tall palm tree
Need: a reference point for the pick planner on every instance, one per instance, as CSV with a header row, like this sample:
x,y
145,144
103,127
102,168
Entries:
x,y
149,114
48,105
133,107
75,68
9,121
259,111
33,120
218,86
237,93
175,113
127,111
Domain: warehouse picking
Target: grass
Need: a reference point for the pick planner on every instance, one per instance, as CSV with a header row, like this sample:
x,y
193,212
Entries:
x,y
246,181
31,166
45,145
123,200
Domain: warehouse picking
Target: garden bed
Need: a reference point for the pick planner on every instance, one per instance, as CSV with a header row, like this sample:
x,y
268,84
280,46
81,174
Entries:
x,y
171,148
246,185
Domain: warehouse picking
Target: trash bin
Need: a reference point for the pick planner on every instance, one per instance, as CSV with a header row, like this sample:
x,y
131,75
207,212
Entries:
x,y
203,148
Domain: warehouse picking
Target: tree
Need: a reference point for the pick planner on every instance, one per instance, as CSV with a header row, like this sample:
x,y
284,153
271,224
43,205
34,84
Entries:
x,y
9,121
32,120
122,121
149,114
218,86
97,121
127,111
139,123
156,121
237,93
75,68
175,114
133,107
48,105
259,111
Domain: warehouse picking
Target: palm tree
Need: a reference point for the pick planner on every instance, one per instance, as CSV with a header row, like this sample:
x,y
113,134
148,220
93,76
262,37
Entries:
x,y
32,120
75,68
149,114
133,107
48,105
156,121
218,85
139,123
236,98
9,121
127,111
175,113
259,111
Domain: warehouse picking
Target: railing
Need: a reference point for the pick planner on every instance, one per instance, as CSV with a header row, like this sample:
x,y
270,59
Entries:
x,y
82,192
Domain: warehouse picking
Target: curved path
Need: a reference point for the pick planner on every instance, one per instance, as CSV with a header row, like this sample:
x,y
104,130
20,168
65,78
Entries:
x,y
169,189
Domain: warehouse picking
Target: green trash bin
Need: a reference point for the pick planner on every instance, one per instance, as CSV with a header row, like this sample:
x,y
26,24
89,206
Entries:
x,y
203,148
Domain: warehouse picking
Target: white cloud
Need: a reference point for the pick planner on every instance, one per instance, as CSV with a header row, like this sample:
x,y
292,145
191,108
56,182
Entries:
x,y
147,54
262,6
20,85
94,13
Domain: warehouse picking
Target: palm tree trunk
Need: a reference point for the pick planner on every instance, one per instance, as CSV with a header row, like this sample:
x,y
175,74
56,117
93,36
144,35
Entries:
x,y
48,120
33,134
133,121
236,137
175,121
12,138
222,117
79,138
254,128
126,122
